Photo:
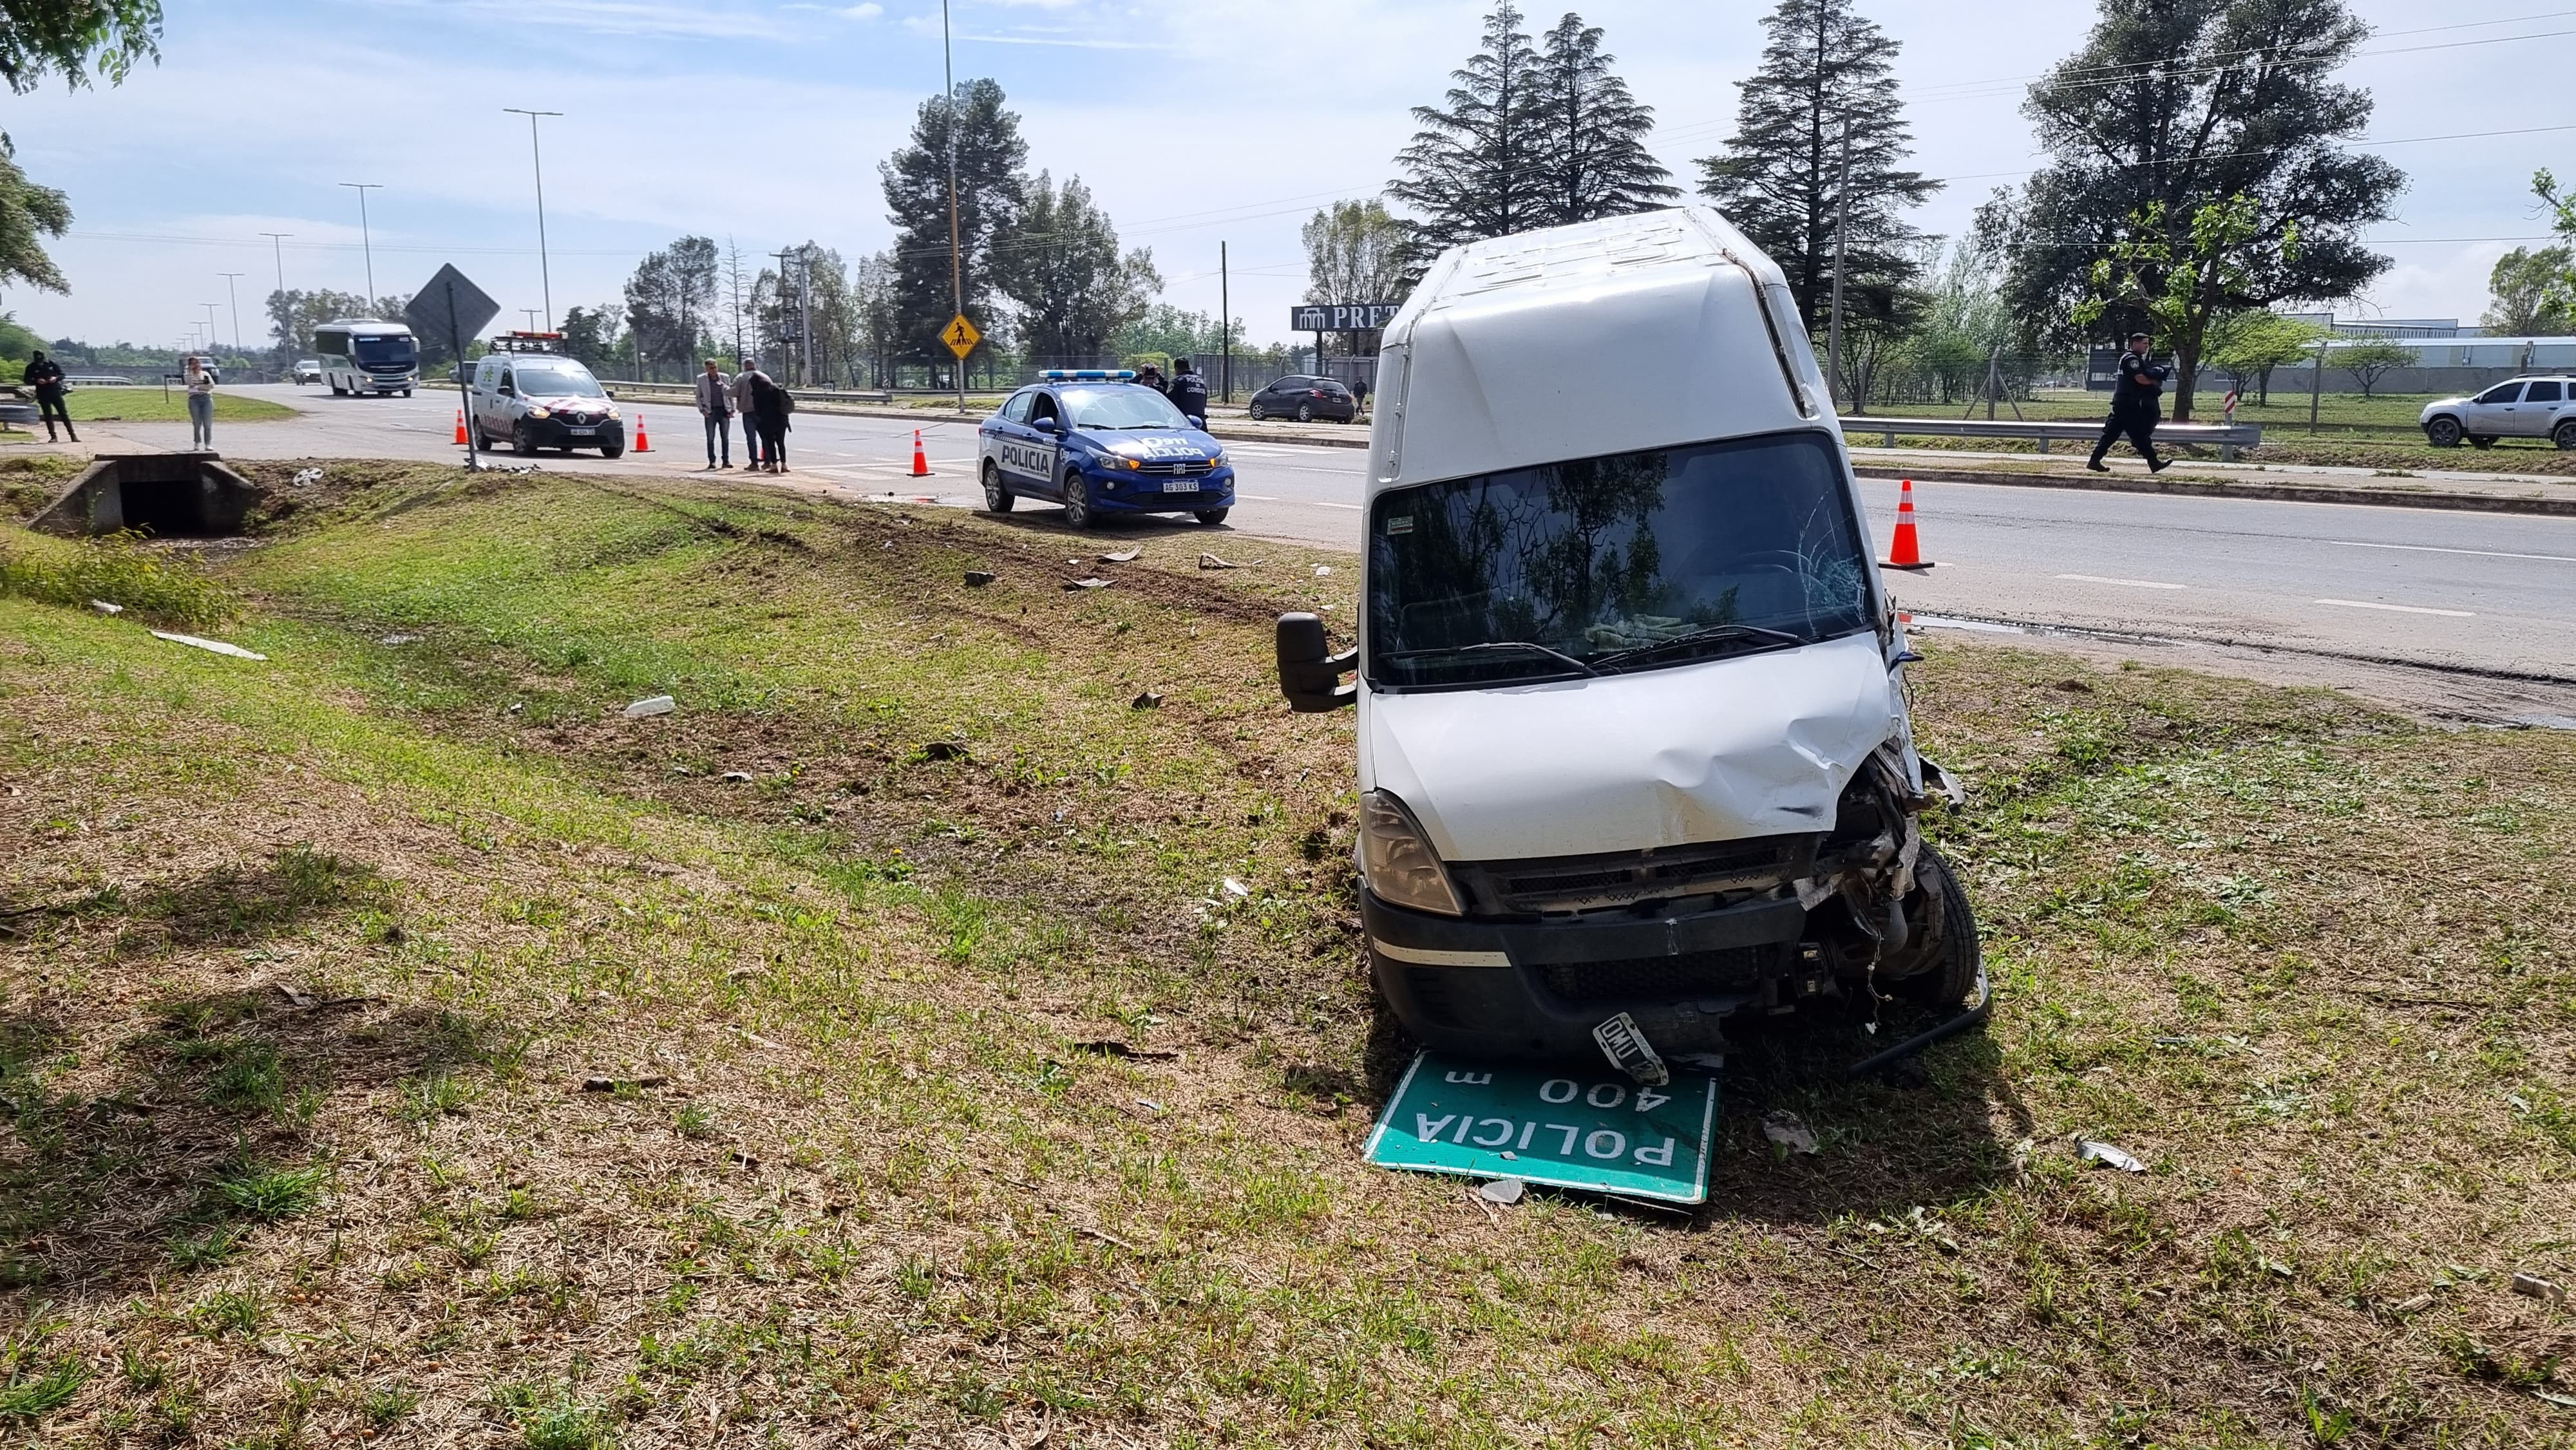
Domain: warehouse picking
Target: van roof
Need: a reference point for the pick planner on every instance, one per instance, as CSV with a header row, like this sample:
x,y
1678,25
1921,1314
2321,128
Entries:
x,y
1635,332
372,324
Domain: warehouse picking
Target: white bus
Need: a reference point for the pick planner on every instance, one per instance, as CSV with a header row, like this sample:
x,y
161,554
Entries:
x,y
361,356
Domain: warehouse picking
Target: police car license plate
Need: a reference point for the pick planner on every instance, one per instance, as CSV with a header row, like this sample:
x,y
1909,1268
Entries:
x,y
583,432
1180,485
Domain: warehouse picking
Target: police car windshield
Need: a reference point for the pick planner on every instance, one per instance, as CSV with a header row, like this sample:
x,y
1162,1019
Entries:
x,y
1634,561
556,380
1122,406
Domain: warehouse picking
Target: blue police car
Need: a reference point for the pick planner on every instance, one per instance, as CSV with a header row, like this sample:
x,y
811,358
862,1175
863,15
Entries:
x,y
1099,442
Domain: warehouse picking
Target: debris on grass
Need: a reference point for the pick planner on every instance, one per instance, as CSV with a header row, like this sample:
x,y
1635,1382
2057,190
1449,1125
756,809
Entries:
x,y
1236,889
651,705
1123,556
1211,561
399,639
2532,1286
1789,1132
978,578
943,750
2093,1152
211,646
307,477
1092,583
737,777
1502,1190
1323,571
103,607
1147,700
1111,1047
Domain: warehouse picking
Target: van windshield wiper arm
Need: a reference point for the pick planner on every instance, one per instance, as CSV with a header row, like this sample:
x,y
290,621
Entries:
x,y
1522,646
1711,634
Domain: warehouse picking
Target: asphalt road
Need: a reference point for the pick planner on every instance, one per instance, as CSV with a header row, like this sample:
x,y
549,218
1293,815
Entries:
x,y
2418,587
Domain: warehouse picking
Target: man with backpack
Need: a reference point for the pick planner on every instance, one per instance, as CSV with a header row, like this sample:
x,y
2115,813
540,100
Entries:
x,y
770,405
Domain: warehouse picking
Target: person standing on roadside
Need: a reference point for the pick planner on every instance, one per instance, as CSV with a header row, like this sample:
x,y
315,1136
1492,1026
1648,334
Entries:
x,y
201,404
1152,377
715,405
2135,406
1189,392
742,400
46,376
1359,394
769,407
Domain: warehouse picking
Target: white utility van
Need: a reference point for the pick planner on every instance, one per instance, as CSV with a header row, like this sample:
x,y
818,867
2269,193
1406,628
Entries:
x,y
1632,718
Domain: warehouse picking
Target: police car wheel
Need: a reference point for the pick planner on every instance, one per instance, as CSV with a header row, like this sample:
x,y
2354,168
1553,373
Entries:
x,y
1255,412
1211,517
1077,500
997,498
1305,412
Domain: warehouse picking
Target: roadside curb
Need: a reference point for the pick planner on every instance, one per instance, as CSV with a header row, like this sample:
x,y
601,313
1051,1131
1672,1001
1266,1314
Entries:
x,y
2279,493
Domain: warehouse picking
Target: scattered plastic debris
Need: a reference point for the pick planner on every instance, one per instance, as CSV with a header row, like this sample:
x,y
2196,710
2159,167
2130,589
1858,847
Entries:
x,y
103,607
307,477
978,578
1502,1190
1323,571
1146,701
1123,556
651,705
943,750
1704,1061
1085,584
738,777
2532,1286
399,639
1786,1129
1151,1106
598,1084
213,646
299,998
1236,889
1211,561
2093,1152
1112,1047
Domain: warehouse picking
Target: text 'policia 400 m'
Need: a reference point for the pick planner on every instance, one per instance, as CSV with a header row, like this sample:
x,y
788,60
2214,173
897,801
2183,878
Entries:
x,y
1632,725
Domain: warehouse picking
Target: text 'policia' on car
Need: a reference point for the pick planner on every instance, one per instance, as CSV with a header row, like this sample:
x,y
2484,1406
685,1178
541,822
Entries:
x,y
1099,442
1634,753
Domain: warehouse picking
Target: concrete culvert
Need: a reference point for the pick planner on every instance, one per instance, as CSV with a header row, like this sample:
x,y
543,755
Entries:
x,y
167,495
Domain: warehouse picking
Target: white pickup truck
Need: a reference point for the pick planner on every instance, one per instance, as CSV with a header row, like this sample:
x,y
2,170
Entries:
x,y
1632,722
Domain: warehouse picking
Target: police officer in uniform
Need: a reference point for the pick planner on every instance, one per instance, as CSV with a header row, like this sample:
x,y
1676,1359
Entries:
x,y
1188,392
2135,406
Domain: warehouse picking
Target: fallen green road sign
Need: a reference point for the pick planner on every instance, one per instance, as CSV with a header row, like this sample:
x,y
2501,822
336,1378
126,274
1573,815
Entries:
x,y
1600,1131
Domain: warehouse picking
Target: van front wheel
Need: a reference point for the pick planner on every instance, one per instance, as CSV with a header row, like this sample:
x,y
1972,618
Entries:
x,y
1949,962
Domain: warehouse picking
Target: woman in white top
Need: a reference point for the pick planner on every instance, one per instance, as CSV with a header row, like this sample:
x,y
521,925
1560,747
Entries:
x,y
201,405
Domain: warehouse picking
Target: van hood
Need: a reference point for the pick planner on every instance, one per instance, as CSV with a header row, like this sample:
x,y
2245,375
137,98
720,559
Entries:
x,y
1757,745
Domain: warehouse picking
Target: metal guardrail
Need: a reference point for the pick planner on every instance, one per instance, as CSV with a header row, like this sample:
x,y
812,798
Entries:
x,y
2228,436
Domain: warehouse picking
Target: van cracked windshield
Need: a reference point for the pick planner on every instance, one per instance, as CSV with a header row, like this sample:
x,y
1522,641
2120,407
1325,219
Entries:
x,y
1631,562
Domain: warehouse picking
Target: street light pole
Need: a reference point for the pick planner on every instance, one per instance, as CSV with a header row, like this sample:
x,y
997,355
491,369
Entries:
x,y
277,243
234,298
545,276
366,239
956,255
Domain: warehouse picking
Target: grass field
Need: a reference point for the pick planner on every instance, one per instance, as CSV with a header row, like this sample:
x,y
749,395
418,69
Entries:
x,y
150,405
305,965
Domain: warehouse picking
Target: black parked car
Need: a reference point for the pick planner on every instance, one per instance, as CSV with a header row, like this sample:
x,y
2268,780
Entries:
x,y
1304,399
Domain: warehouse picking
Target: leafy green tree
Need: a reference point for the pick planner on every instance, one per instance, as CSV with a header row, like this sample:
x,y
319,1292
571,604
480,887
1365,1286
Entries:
x,y
669,300
1593,160
2559,296
992,186
2248,343
1476,169
590,335
1824,77
1163,332
2181,115
2526,293
80,40
2374,360
1062,268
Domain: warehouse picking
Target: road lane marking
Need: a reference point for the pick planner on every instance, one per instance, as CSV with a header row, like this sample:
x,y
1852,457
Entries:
x,y
2434,549
2399,608
2124,583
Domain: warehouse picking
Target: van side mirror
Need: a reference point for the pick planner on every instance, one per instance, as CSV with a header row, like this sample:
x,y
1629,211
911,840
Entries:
x,y
1309,674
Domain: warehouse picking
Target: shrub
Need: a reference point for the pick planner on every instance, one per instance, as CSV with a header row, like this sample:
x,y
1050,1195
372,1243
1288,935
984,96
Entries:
x,y
158,586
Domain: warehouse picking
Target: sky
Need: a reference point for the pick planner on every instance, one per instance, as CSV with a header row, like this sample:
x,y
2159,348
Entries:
x,y
761,123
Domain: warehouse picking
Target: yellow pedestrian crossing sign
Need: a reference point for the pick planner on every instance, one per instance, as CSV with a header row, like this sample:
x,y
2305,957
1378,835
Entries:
x,y
960,335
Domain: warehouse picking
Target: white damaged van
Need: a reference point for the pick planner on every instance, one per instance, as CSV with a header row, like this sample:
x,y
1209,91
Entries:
x,y
1632,718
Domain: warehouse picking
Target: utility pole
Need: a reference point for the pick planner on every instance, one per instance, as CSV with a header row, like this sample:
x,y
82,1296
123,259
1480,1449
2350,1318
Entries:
x,y
234,298
956,256
366,239
277,241
2317,385
1842,217
805,311
545,276
530,313
1225,319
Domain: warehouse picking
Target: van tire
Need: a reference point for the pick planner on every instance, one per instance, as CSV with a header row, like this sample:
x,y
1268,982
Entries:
x,y
1956,960
523,440
612,450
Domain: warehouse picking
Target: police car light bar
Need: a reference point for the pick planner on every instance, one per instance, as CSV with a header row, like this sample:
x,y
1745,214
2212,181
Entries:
x,y
1087,375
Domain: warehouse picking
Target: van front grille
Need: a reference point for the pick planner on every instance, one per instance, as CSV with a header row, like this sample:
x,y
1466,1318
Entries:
x,y
1628,878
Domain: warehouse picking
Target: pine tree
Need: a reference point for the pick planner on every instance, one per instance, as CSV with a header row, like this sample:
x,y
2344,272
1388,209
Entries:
x,y
1475,169
1064,270
1596,163
1823,78
991,185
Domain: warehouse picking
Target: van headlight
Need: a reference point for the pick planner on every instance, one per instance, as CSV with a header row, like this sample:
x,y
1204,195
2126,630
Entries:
x,y
1397,861
539,414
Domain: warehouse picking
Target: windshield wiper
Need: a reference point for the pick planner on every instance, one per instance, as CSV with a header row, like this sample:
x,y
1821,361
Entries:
x,y
1710,635
1522,645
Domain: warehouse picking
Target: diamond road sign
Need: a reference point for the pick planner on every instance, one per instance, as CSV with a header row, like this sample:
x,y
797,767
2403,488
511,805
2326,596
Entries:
x,y
449,308
1599,1131
960,335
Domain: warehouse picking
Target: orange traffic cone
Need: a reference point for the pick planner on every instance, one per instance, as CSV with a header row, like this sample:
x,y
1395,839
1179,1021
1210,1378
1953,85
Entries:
x,y
920,460
1902,551
460,425
642,445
